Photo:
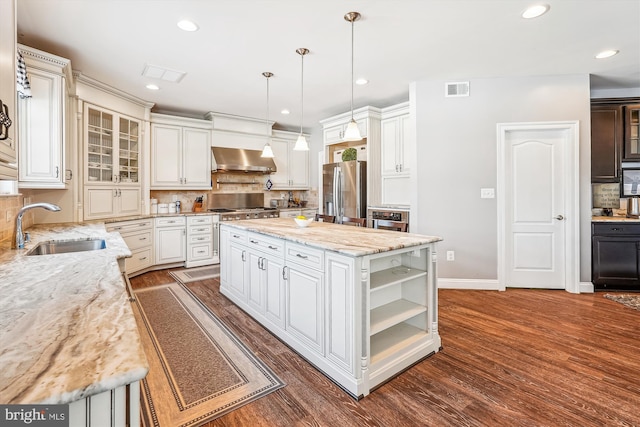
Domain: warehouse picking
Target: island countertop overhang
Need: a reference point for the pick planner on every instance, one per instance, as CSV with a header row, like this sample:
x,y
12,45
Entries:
x,y
343,239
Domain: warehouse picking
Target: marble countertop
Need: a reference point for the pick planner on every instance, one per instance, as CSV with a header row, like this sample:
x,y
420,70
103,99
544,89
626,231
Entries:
x,y
344,239
67,328
613,219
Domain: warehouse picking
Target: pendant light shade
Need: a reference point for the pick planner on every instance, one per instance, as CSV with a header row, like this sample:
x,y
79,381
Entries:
x,y
301,142
266,150
352,133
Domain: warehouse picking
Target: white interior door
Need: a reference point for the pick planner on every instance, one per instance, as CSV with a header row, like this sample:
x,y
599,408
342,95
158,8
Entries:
x,y
538,214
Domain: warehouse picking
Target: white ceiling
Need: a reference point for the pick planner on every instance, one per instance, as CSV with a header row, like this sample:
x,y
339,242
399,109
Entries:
x,y
396,42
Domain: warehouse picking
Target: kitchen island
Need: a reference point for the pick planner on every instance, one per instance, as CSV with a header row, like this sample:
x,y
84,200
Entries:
x,y
359,304
67,330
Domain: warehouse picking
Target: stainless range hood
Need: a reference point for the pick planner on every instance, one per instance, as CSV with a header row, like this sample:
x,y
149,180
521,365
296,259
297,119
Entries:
x,y
240,160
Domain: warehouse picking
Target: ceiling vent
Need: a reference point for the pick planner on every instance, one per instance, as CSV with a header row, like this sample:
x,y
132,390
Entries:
x,y
453,89
157,72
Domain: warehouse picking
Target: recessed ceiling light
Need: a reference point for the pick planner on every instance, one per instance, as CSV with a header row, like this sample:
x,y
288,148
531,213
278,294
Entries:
x,y
362,82
535,11
187,25
607,54
285,112
151,86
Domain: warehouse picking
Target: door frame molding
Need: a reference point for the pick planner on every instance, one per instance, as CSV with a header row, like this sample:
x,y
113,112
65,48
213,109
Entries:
x,y
571,198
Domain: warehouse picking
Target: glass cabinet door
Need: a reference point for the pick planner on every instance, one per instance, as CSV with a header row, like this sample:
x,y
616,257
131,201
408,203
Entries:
x,y
632,133
129,136
99,146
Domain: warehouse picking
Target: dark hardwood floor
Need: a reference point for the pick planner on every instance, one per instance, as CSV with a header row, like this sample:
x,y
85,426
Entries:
x,y
516,358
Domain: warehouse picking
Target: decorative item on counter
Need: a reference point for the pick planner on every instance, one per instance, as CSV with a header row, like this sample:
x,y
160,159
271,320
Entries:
x,y
607,197
163,208
302,221
172,207
197,204
178,206
268,184
349,154
154,206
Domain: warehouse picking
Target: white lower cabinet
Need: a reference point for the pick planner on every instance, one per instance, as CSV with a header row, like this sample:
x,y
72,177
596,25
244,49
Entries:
x,y
200,240
305,305
138,235
170,241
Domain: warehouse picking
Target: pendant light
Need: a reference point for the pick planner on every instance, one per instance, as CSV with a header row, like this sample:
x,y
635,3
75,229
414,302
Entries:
x,y
301,142
266,150
352,133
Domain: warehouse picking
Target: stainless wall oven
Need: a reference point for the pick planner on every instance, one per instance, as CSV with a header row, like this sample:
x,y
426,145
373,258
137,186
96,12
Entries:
x,y
376,213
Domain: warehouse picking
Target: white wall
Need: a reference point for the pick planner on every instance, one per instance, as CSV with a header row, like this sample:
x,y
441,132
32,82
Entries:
x,y
456,156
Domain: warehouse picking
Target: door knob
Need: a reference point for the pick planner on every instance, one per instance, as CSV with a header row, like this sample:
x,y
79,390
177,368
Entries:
x,y
559,217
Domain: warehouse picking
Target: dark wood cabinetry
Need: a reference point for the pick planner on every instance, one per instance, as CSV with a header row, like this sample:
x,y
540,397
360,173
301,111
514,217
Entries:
x,y
614,136
615,256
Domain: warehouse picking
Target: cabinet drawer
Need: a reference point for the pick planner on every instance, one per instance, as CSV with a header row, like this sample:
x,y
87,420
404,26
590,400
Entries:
x,y
170,221
200,229
304,255
615,229
137,240
140,259
199,220
126,226
266,244
199,238
202,251
237,236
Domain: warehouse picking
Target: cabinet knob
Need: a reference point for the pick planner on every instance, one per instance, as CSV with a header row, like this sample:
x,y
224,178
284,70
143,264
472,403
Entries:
x,y
559,218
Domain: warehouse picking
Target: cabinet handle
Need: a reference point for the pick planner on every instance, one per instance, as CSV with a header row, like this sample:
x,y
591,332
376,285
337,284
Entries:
x,y
243,256
302,256
200,238
117,228
284,275
200,229
616,229
200,252
559,217
184,232
57,172
143,258
171,222
235,236
254,241
272,247
142,238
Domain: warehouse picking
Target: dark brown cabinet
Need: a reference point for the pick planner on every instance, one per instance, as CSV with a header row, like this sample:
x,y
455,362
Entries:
x,y
615,258
615,124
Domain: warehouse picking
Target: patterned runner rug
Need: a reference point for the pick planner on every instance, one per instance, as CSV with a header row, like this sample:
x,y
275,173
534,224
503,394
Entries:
x,y
198,273
632,301
198,370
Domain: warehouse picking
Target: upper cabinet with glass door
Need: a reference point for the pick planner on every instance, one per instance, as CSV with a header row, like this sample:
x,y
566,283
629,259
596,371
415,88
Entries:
x,y
111,159
632,133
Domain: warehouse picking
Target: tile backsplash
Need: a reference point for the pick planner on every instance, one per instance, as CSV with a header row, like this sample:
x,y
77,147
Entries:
x,y
9,207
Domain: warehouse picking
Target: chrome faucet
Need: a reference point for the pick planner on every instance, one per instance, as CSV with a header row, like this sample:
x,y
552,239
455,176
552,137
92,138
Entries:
x,y
19,239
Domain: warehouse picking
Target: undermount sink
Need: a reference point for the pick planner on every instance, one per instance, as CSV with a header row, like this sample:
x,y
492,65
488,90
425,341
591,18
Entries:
x,y
61,247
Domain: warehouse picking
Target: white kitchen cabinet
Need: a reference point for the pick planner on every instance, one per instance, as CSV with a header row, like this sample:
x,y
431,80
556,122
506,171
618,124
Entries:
x,y
42,120
397,151
112,146
110,202
368,119
170,240
292,166
180,153
138,235
200,232
8,164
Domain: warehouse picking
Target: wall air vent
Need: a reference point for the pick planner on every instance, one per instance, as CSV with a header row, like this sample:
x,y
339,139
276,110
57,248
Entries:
x,y
452,89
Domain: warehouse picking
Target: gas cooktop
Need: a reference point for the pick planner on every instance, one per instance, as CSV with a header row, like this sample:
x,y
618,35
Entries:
x,y
227,210
227,214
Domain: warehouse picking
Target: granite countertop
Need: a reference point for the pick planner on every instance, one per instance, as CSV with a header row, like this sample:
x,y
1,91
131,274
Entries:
x,y
615,218
344,239
67,328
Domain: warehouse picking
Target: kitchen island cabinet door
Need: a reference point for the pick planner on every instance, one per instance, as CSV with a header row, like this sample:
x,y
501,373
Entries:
x,y
305,306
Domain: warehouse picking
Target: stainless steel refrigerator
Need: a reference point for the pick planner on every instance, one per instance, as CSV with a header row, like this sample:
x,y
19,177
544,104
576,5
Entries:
x,y
344,189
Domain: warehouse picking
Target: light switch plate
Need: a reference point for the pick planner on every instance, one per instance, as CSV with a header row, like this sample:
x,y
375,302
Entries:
x,y
487,193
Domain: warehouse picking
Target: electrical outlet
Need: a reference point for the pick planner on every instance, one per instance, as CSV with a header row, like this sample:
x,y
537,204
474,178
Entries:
x,y
451,256
487,193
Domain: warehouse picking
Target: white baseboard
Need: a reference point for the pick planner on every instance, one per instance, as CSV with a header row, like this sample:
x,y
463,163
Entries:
x,y
491,285
586,288
475,284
